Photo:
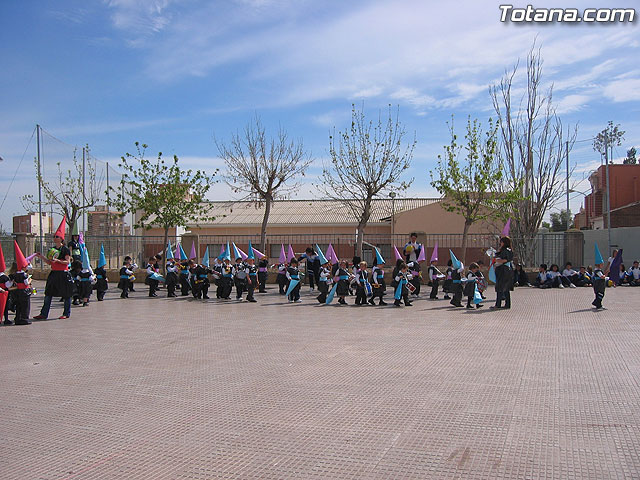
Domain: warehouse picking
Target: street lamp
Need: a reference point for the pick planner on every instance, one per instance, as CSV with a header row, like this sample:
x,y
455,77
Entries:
x,y
392,195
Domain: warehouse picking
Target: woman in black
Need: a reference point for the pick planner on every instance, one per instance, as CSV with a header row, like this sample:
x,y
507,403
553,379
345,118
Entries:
x,y
504,274
59,281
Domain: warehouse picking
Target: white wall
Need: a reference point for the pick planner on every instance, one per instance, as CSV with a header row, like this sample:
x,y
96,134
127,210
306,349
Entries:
x,y
627,238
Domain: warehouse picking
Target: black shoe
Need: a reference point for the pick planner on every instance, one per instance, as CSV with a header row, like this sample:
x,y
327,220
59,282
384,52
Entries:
x,y
23,322
397,303
132,290
85,304
408,304
469,307
495,307
253,300
100,299
7,322
382,302
479,305
341,301
447,297
205,297
371,302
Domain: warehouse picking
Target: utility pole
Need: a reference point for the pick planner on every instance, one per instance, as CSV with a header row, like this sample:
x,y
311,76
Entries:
x,y
40,193
568,215
84,197
608,194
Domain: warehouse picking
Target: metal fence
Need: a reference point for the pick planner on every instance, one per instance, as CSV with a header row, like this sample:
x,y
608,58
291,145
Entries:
x,y
549,247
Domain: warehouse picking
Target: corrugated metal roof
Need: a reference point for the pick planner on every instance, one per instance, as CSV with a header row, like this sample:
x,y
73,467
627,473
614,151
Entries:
x,y
292,212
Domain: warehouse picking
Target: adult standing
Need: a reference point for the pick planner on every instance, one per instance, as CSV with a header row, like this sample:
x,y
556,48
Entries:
x,y
504,273
313,266
412,249
59,281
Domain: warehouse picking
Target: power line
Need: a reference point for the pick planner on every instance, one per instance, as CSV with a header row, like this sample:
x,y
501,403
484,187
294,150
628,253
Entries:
x,y
16,172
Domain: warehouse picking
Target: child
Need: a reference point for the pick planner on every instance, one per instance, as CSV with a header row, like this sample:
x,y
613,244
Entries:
x,y
599,285
362,279
622,278
126,277
200,283
470,287
520,278
282,278
324,282
378,283
447,287
240,277
22,292
569,276
102,283
400,279
416,280
584,279
633,275
434,279
85,284
5,283
76,268
294,274
152,282
554,277
185,284
227,279
263,265
252,279
542,281
456,277
342,276
171,278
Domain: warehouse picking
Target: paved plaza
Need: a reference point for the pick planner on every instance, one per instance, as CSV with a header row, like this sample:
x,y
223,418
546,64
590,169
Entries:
x,y
181,389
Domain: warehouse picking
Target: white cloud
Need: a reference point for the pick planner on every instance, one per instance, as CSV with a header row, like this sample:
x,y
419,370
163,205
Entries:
x,y
571,103
624,90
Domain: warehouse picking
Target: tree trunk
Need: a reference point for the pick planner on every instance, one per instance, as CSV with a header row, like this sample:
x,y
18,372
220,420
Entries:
x,y
265,220
360,237
163,265
465,234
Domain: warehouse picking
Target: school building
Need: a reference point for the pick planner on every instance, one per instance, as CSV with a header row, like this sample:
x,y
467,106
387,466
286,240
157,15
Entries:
x,y
624,194
305,222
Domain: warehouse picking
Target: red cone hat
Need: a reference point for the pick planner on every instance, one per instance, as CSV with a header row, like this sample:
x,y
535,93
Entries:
x,y
61,228
20,260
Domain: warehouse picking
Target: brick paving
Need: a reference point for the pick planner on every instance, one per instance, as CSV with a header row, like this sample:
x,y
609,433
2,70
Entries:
x,y
181,389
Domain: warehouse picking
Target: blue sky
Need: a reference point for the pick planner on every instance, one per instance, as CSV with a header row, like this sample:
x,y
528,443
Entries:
x,y
174,73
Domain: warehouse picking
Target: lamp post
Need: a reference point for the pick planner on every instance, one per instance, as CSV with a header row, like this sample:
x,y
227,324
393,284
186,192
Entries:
x,y
392,195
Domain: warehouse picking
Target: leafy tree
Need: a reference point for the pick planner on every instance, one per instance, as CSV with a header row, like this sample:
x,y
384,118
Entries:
x,y
611,136
262,167
366,162
161,193
468,177
68,195
560,219
631,157
533,147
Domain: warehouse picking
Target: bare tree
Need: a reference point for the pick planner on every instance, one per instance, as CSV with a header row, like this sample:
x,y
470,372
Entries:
x,y
533,145
261,168
68,195
367,161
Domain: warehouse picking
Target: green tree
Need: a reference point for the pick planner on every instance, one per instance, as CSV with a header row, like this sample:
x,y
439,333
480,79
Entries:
x,y
559,221
631,157
161,193
611,136
468,177
366,162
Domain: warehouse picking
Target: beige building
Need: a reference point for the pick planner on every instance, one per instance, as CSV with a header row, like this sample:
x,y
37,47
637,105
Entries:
x,y
30,223
305,222
102,222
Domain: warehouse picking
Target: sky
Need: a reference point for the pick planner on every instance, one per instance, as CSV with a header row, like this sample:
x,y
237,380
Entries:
x,y
177,74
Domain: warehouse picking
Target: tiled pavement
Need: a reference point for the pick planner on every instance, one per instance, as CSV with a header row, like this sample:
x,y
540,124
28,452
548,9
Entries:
x,y
181,389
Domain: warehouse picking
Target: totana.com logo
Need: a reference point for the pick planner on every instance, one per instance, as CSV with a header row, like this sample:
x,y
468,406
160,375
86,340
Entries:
x,y
569,15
